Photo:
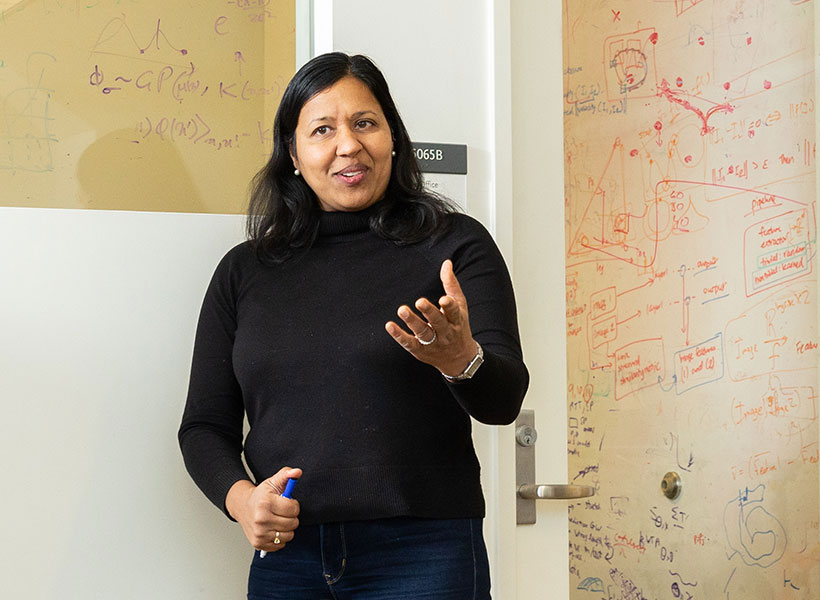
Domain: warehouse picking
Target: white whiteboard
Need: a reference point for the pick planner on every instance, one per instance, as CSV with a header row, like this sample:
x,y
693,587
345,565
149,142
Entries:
x,y
691,298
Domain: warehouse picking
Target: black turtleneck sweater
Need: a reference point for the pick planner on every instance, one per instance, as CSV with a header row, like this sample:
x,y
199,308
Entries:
x,y
301,348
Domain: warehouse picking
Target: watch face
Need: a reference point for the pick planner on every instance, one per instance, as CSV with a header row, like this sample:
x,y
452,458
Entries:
x,y
477,362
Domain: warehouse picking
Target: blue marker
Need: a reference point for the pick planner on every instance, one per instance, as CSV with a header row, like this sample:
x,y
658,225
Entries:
x,y
289,487
286,494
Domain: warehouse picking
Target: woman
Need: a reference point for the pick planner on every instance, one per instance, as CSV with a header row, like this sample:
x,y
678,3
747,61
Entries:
x,y
297,332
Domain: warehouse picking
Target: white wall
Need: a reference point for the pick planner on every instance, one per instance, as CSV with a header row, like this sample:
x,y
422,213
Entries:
x,y
97,315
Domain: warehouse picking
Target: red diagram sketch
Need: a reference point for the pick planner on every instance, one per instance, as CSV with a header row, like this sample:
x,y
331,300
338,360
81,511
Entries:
x,y
639,365
606,225
776,250
630,64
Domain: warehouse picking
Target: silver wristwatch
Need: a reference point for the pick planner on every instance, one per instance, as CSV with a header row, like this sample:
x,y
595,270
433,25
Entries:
x,y
471,369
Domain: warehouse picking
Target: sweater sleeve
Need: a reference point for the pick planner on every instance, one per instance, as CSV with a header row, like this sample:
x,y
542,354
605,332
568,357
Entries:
x,y
210,435
495,393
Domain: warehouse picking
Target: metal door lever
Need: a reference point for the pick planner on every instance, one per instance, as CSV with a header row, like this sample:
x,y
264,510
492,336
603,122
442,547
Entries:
x,y
542,491
526,492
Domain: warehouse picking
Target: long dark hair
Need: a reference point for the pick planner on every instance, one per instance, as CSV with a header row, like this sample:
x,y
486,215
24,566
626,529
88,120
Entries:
x,y
283,215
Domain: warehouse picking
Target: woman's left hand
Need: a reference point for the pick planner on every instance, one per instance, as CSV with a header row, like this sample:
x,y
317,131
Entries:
x,y
447,325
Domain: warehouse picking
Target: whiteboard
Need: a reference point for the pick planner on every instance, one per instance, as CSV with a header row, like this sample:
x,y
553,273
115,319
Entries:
x,y
139,105
691,298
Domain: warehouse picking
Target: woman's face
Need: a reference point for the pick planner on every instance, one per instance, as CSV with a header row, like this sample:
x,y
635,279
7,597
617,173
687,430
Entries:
x,y
342,145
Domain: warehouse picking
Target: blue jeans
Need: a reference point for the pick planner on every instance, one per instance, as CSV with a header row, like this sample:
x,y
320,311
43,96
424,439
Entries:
x,y
385,559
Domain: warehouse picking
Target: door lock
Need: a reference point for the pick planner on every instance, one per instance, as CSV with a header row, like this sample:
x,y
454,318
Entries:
x,y
525,435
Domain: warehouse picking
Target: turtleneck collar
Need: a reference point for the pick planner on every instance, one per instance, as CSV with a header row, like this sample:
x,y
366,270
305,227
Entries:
x,y
341,223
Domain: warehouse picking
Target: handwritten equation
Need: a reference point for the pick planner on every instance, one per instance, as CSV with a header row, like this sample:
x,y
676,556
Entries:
x,y
145,81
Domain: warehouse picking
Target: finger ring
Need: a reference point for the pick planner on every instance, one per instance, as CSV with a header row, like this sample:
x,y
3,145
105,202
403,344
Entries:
x,y
430,341
276,539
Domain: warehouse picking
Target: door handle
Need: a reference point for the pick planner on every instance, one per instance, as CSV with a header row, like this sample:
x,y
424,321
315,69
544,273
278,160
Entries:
x,y
554,491
526,492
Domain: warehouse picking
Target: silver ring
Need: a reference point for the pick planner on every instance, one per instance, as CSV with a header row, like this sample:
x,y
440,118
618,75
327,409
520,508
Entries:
x,y
434,338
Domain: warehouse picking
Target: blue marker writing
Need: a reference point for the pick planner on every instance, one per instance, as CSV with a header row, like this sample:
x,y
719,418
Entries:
x,y
286,494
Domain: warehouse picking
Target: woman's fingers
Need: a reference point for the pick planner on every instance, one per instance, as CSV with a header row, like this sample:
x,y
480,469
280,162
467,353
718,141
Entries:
x,y
452,311
263,513
270,543
273,519
279,480
420,328
438,335
277,513
271,528
432,313
408,342
450,282
452,307
454,304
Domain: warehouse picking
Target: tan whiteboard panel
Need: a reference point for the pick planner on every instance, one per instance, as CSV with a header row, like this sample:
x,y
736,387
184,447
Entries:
x,y
139,105
691,298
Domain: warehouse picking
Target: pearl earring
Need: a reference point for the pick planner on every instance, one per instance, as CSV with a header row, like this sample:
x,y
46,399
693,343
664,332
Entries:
x,y
297,172
393,153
